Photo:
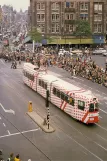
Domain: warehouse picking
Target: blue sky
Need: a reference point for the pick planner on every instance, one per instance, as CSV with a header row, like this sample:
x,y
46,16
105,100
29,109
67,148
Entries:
x,y
17,4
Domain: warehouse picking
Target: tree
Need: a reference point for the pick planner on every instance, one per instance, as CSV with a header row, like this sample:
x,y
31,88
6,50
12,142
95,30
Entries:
x,y
83,29
35,35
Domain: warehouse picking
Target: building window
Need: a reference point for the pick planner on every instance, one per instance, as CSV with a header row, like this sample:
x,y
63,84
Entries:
x,y
72,5
69,28
55,17
40,6
69,4
41,17
38,17
97,7
69,16
55,28
97,28
84,17
55,6
97,17
83,6
42,28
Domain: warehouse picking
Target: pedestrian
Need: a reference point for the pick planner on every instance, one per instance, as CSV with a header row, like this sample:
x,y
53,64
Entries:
x,y
11,157
17,158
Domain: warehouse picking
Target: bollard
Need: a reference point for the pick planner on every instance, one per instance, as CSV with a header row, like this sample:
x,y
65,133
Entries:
x,y
30,108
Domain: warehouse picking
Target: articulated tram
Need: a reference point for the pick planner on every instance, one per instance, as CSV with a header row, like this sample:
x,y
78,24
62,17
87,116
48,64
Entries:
x,y
77,102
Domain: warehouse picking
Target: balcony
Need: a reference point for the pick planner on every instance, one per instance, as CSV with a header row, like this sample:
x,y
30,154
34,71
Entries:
x,y
69,9
70,21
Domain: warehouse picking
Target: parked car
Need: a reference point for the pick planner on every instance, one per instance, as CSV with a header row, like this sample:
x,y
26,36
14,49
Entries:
x,y
99,51
104,54
77,52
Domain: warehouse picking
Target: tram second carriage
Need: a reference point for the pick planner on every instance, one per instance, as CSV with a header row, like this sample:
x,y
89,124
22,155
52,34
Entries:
x,y
77,102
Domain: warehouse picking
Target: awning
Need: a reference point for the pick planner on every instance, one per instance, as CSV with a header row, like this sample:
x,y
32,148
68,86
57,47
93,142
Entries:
x,y
70,41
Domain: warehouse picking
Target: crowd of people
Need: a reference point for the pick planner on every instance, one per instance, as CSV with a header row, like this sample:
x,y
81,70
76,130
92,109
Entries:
x,y
82,66
10,158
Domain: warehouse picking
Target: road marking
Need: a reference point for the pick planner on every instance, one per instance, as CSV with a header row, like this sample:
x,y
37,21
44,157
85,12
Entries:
x,y
3,62
19,133
84,152
101,127
85,148
8,132
103,111
101,137
4,125
101,146
7,111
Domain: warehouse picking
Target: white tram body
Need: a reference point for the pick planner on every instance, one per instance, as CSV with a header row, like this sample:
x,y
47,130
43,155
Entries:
x,y
77,102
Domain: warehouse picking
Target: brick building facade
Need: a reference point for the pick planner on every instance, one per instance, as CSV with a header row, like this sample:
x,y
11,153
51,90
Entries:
x,y
59,17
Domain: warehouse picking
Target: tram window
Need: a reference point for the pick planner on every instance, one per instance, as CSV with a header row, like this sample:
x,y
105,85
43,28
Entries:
x,y
71,101
32,77
62,96
91,109
45,85
96,107
40,82
54,91
58,93
66,98
81,105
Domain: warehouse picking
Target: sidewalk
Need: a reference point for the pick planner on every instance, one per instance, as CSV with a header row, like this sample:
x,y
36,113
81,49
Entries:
x,y
40,122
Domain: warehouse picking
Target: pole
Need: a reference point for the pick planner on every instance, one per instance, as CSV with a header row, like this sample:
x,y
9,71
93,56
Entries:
x,y
47,106
33,46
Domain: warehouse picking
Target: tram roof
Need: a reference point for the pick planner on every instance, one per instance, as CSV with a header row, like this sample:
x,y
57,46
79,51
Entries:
x,y
66,86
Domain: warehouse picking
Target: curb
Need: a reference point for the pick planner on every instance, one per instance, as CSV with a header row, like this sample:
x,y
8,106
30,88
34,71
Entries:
x,y
39,121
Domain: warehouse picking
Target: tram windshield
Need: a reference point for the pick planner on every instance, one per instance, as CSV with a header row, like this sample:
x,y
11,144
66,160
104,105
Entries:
x,y
93,107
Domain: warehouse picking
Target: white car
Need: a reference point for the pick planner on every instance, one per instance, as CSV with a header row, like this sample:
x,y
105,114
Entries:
x,y
99,51
104,54
102,50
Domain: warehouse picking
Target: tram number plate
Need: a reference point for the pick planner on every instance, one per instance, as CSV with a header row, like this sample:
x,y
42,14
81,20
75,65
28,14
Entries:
x,y
91,119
